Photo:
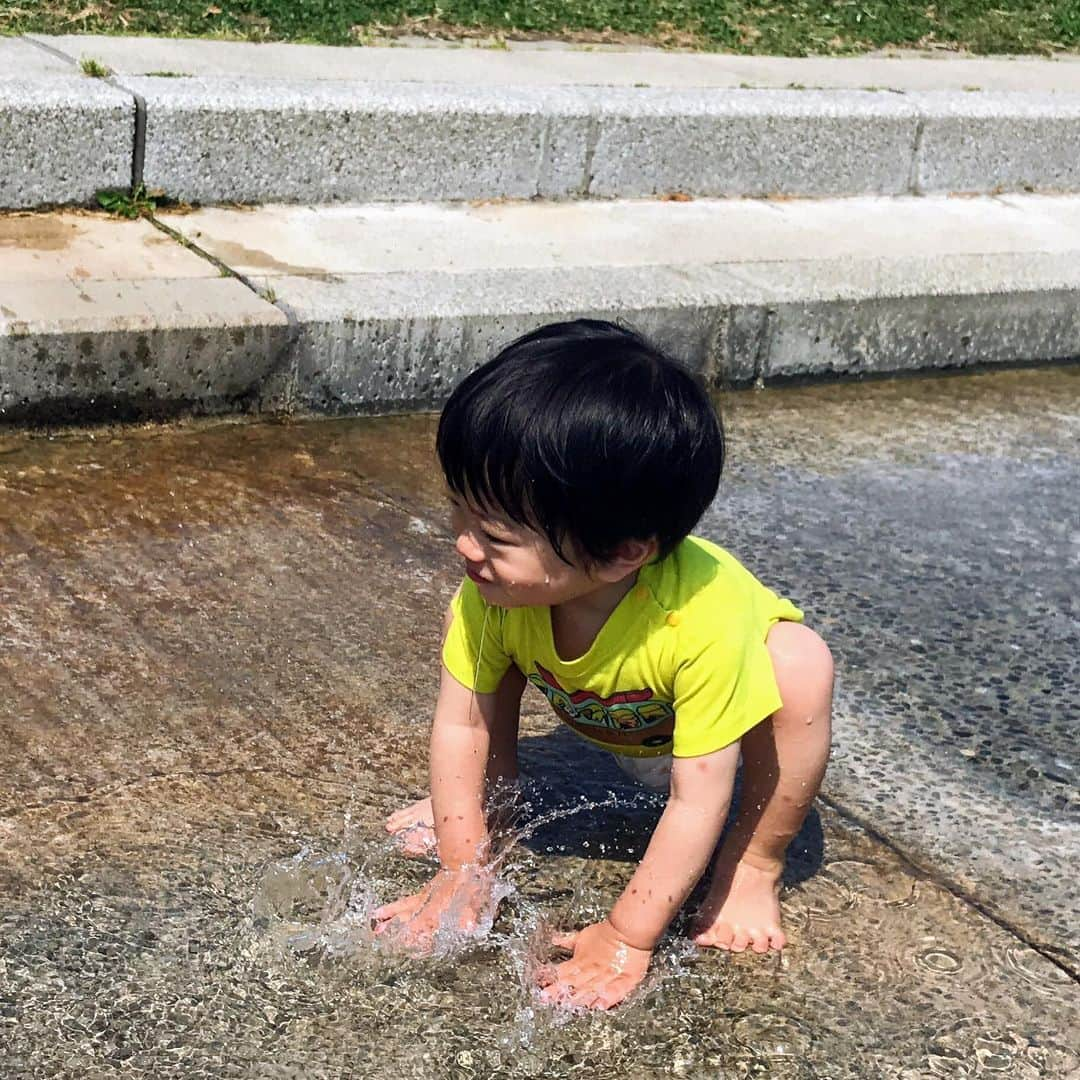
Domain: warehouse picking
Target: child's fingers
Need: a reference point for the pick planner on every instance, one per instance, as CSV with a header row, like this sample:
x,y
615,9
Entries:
x,y
565,940
405,906
558,980
614,993
393,923
585,999
599,990
558,993
569,981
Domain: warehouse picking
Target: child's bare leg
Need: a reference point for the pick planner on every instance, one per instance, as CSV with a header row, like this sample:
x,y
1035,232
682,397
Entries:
x,y
414,825
784,760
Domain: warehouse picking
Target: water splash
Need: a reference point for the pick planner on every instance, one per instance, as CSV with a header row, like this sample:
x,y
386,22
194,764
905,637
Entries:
x,y
321,905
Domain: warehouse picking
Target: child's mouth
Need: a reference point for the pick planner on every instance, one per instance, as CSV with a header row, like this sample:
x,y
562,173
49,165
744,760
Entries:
x,y
475,574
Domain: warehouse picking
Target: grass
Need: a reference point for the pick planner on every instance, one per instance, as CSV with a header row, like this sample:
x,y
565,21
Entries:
x,y
787,27
128,204
94,68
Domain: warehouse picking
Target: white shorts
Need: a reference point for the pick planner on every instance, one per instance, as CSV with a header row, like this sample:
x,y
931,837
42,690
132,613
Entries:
x,y
652,772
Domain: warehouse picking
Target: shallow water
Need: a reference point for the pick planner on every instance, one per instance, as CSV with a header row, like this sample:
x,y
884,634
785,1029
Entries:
x,y
209,960
216,648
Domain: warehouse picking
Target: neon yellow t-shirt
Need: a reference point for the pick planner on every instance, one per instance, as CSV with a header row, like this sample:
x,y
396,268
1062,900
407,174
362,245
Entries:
x,y
679,667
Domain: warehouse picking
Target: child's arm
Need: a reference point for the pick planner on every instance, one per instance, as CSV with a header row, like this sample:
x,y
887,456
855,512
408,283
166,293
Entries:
x,y
611,958
460,741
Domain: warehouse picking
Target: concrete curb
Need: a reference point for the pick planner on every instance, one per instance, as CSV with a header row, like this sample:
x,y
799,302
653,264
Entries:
x,y
727,323
213,141
320,319
225,137
62,140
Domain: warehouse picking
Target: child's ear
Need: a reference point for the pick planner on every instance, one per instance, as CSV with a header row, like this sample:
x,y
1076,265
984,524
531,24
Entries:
x,y
630,555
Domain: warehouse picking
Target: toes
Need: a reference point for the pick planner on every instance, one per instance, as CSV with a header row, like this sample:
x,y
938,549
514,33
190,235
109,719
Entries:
x,y
759,940
777,938
739,940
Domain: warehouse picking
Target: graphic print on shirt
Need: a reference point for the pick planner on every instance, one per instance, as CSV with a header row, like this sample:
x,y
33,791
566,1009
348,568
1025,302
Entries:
x,y
629,718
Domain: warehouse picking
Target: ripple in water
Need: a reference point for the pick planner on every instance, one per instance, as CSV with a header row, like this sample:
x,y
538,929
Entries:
x,y
774,1035
938,960
868,882
822,898
973,1047
1035,970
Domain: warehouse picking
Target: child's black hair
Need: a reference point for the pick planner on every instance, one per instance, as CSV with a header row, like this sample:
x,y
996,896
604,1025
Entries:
x,y
588,433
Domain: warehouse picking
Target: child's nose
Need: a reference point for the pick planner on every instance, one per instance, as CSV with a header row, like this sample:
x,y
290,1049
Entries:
x,y
468,547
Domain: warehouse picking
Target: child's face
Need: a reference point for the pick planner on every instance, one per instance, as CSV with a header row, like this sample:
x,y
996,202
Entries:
x,y
514,566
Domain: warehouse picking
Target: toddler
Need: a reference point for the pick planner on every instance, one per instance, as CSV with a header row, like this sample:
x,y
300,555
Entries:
x,y
577,463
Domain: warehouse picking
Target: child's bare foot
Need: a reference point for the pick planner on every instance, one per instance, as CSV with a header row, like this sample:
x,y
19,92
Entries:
x,y
742,909
413,827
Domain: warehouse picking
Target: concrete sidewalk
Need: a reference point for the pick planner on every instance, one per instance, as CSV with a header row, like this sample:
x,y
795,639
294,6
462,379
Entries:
x,y
223,122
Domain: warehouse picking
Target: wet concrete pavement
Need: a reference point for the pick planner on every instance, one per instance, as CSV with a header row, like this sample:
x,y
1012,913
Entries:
x,y
216,646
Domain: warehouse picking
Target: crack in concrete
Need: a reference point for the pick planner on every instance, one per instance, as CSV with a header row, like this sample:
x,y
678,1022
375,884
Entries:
x,y
916,154
285,363
1061,959
138,149
764,349
50,50
592,137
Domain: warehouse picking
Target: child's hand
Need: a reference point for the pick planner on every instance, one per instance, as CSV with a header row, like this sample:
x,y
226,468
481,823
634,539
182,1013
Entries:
x,y
602,972
460,900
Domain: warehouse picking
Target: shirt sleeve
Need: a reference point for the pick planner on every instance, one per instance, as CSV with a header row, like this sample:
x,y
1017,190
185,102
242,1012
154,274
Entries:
x,y
473,651
723,688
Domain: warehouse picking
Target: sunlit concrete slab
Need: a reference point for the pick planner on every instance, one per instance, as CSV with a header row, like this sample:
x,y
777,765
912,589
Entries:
x,y
218,648
104,318
317,241
236,140
519,63
22,59
396,303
